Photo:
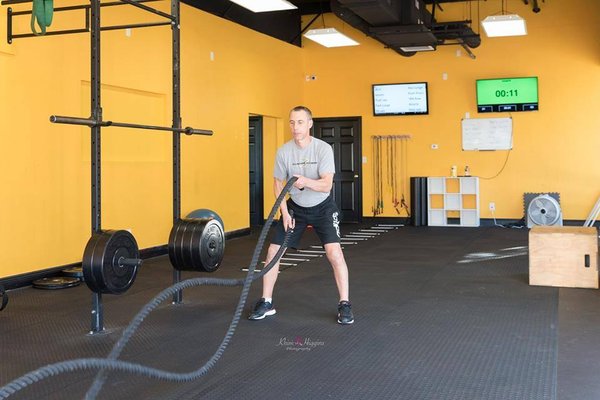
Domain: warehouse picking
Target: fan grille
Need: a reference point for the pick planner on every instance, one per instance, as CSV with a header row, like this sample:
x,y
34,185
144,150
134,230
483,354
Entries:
x,y
543,210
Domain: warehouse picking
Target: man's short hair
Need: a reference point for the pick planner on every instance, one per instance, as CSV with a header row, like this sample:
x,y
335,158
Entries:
x,y
305,109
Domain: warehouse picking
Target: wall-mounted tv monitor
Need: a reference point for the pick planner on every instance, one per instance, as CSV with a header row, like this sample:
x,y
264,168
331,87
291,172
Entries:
x,y
400,99
507,94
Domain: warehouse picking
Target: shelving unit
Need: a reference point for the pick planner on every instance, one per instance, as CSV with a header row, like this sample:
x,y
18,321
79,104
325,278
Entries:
x,y
453,201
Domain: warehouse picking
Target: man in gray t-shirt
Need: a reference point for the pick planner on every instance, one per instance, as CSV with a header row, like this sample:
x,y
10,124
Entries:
x,y
311,161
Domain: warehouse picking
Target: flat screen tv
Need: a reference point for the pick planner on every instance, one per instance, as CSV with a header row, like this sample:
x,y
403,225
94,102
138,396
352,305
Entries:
x,y
400,99
507,94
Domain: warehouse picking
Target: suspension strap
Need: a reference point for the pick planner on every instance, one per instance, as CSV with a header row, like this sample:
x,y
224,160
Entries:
x,y
42,11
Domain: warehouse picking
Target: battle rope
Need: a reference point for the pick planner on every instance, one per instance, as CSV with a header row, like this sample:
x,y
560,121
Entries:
x,y
138,369
42,11
137,320
4,297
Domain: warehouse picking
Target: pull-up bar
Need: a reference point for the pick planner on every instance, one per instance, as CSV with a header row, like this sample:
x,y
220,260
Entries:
x,y
57,119
150,9
136,3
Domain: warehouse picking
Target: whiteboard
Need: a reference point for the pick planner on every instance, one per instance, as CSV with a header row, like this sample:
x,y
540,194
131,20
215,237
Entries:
x,y
487,134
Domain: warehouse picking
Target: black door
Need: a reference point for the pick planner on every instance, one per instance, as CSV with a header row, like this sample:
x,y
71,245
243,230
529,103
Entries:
x,y
344,135
256,171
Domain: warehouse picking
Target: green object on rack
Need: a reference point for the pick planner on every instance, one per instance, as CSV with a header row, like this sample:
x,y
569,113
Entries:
x,y
42,11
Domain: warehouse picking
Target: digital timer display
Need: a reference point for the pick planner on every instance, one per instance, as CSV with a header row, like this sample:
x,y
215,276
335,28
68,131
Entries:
x,y
507,94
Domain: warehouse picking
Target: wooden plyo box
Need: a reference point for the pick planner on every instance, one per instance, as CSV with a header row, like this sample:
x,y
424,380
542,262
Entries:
x,y
565,256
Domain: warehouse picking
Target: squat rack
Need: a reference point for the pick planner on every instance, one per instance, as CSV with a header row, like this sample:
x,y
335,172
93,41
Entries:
x,y
95,121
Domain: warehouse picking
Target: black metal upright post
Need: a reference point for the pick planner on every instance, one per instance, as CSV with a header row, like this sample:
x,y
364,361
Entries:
x,y
96,114
178,296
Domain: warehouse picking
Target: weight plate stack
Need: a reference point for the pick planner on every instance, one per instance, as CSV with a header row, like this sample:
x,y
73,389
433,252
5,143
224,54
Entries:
x,y
197,244
74,272
59,282
102,270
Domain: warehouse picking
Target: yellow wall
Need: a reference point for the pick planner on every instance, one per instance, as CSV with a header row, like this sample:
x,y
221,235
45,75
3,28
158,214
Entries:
x,y
45,179
554,149
44,195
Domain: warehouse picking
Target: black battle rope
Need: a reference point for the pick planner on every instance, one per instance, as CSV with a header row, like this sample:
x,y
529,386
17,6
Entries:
x,y
138,369
130,330
4,297
137,320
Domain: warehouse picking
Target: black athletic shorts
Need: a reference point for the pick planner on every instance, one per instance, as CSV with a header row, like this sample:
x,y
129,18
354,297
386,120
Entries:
x,y
324,218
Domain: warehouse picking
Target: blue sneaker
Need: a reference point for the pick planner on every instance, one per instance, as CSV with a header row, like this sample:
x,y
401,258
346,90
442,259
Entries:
x,y
261,310
345,316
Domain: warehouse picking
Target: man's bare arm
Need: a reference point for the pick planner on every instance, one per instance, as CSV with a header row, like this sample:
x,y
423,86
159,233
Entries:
x,y
323,184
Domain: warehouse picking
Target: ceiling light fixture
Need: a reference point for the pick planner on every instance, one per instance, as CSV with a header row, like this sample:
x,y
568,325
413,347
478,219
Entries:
x,y
265,5
330,37
410,49
504,25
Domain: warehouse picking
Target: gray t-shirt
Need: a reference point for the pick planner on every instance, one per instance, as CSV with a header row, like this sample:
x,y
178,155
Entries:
x,y
312,162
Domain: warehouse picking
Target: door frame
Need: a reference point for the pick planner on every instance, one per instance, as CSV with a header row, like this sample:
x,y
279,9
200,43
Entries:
x,y
259,172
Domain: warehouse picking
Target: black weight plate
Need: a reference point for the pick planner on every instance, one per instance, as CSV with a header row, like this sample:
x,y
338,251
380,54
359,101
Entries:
x,y
86,264
118,278
60,282
75,272
98,260
176,245
173,244
213,246
201,224
209,245
196,244
89,256
182,243
183,233
101,272
4,297
187,243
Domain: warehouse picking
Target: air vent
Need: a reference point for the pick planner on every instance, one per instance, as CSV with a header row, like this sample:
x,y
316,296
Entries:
x,y
375,12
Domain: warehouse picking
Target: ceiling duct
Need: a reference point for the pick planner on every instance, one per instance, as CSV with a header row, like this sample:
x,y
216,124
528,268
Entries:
x,y
405,26
375,12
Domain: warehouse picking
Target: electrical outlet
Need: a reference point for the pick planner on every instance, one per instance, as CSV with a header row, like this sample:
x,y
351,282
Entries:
x,y
492,206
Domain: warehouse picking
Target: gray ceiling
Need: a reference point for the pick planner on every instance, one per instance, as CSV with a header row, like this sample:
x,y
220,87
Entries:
x,y
397,24
308,7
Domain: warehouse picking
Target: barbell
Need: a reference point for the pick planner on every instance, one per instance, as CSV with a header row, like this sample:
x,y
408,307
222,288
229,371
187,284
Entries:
x,y
111,257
